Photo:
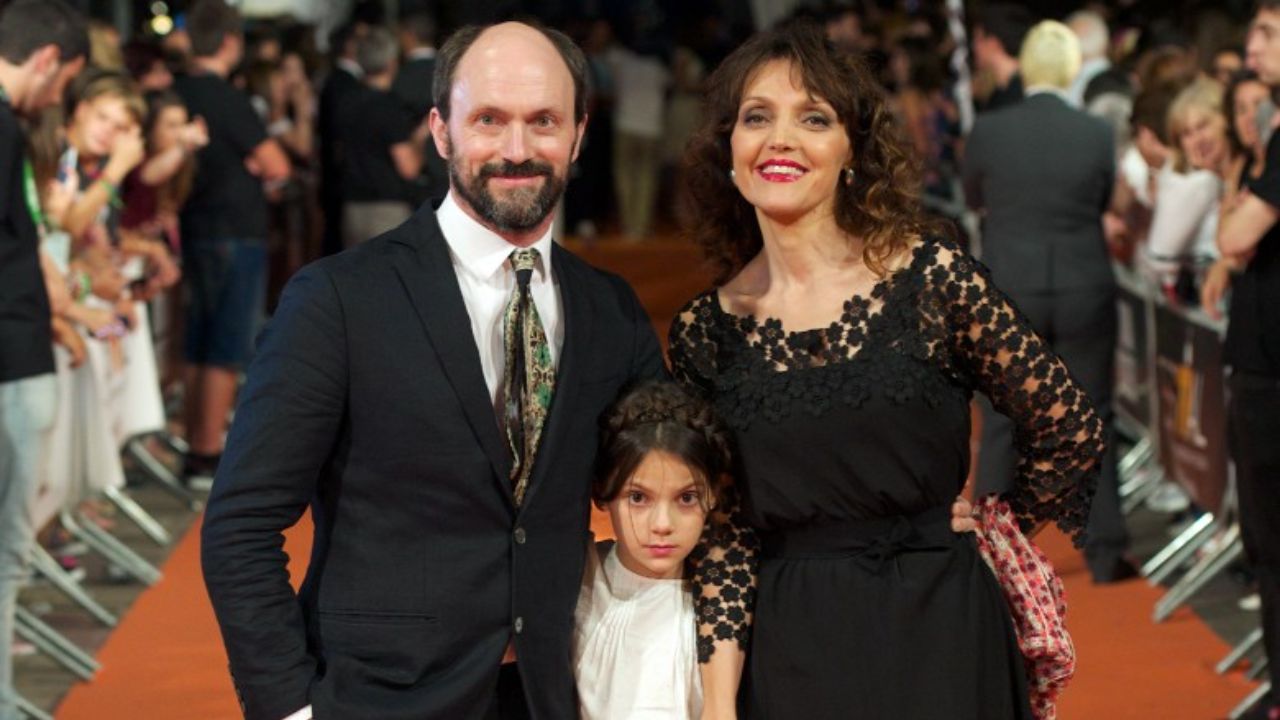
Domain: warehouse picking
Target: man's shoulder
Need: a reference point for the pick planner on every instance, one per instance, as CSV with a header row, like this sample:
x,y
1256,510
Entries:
x,y
211,92
196,84
596,279
339,82
361,103
377,99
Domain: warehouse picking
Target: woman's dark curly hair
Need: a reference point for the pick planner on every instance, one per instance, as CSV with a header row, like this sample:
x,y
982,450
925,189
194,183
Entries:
x,y
882,205
661,416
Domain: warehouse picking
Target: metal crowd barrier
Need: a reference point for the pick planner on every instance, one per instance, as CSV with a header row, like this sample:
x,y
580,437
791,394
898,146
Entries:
x,y
1171,399
88,454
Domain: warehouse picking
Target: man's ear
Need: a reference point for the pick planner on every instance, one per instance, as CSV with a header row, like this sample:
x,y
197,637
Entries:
x,y
45,59
439,132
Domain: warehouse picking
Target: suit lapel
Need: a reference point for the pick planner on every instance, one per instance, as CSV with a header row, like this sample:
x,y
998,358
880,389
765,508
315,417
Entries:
x,y
577,317
426,271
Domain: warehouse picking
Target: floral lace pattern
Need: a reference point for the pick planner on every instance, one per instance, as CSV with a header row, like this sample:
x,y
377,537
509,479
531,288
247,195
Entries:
x,y
932,329
725,577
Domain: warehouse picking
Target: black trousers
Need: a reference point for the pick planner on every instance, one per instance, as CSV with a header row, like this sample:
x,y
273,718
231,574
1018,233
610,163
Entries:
x,y
1253,418
508,700
1080,326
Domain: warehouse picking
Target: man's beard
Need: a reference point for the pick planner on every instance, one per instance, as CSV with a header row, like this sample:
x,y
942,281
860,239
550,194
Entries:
x,y
522,209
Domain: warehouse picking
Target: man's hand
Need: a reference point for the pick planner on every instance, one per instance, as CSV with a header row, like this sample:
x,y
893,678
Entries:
x,y
126,152
1114,229
1216,282
58,198
194,135
108,283
962,516
96,320
66,336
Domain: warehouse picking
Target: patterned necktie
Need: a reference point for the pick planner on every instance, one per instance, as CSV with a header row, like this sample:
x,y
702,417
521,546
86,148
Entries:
x,y
529,378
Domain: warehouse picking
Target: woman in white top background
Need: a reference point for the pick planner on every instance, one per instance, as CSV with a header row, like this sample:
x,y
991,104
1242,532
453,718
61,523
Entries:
x,y
1189,188
662,470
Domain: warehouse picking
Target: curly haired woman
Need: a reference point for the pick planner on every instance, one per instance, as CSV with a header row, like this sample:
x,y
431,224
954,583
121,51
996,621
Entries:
x,y
841,347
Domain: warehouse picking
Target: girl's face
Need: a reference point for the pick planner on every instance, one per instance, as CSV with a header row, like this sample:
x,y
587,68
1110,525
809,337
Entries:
x,y
1204,139
658,517
164,134
1248,96
293,70
97,123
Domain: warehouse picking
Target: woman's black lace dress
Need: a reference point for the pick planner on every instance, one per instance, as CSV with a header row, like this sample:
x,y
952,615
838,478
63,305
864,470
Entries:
x,y
851,443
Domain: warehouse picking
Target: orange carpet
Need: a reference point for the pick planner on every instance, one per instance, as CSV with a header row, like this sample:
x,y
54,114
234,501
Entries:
x,y
166,660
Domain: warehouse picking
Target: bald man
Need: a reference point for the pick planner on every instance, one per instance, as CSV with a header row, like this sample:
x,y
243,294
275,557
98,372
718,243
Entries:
x,y
450,514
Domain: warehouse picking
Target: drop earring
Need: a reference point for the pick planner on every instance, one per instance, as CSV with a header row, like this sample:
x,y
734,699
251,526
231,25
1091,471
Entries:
x,y
848,176
732,174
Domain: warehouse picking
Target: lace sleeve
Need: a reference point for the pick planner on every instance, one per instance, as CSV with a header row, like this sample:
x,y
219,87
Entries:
x,y
724,582
1057,433
690,348
724,563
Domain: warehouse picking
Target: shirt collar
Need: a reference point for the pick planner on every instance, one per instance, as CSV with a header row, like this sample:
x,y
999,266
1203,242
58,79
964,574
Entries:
x,y
481,252
351,66
1093,66
1047,90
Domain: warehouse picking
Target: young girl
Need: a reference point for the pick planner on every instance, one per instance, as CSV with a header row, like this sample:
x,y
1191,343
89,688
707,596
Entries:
x,y
662,468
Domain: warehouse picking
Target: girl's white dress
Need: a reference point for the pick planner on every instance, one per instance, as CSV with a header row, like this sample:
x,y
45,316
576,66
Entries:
x,y
634,645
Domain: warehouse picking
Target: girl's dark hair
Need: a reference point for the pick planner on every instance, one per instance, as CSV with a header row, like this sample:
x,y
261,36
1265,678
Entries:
x,y
661,416
882,206
171,195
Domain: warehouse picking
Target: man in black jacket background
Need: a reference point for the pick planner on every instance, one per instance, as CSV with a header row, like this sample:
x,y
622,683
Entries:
x,y
1043,172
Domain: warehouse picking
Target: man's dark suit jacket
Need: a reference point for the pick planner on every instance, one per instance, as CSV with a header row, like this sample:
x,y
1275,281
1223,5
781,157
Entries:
x,y
367,403
1044,173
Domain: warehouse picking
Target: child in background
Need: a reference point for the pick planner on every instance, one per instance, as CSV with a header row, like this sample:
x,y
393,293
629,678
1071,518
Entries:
x,y
662,466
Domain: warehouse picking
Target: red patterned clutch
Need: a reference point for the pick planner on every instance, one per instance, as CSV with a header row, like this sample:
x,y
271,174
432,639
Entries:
x,y
1037,601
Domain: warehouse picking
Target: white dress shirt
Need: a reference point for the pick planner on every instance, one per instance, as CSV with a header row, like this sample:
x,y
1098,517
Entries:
x,y
634,644
481,261
353,68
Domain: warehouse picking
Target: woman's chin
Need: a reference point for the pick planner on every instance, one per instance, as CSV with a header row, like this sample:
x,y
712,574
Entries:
x,y
786,213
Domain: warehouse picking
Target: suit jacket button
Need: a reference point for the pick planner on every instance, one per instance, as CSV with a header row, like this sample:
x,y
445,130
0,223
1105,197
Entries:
x,y
519,536
519,625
